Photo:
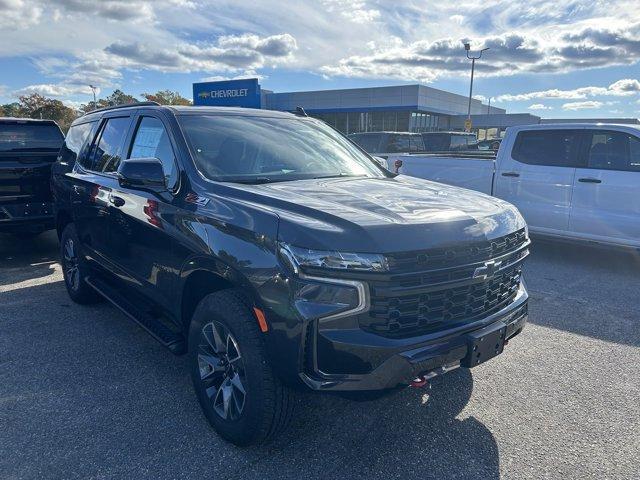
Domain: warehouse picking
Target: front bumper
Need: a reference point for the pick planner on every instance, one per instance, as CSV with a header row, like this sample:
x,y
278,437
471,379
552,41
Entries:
x,y
398,361
26,217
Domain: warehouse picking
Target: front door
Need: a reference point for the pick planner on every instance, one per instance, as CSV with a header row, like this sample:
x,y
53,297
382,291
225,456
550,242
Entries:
x,y
142,221
537,176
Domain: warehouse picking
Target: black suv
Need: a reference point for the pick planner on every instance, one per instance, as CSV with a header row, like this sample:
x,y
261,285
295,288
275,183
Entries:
x,y
28,148
279,256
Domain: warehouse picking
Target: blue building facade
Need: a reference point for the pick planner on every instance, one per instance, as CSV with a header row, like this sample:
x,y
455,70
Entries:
x,y
416,108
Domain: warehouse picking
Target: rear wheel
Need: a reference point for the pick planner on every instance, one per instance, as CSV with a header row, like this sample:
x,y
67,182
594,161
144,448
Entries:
x,y
239,393
74,269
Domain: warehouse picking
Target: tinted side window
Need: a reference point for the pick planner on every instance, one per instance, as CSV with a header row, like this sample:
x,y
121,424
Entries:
x,y
24,136
417,145
399,144
610,150
152,140
106,150
555,148
76,138
459,141
369,143
436,142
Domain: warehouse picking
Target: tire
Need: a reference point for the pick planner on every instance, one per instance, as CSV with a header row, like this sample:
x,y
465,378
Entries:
x,y
266,406
74,269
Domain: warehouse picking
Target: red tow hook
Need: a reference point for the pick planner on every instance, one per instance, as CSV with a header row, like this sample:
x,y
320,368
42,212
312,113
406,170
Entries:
x,y
418,382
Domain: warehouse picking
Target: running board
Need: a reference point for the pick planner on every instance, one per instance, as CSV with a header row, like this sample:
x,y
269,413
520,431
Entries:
x,y
172,340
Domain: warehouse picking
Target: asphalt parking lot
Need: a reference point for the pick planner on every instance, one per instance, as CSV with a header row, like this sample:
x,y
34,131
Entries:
x,y
85,393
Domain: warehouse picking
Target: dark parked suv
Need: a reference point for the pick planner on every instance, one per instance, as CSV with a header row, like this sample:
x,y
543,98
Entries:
x,y
279,256
28,148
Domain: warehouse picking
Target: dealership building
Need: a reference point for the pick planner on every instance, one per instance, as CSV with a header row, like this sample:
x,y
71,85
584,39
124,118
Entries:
x,y
412,108
402,108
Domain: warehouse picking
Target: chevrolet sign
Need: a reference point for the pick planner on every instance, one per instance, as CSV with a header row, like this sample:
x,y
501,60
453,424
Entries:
x,y
240,92
228,93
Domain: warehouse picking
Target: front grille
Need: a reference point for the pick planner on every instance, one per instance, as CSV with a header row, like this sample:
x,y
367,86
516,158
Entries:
x,y
450,291
417,313
467,253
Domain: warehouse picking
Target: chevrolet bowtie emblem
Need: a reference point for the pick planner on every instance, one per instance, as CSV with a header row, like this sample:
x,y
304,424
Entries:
x,y
489,269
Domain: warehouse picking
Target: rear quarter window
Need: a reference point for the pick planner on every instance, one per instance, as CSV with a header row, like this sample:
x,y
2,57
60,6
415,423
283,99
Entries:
x,y
75,140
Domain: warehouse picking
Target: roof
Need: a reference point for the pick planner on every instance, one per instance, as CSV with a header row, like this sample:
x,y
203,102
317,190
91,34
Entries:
x,y
383,131
253,112
190,110
452,132
551,126
26,120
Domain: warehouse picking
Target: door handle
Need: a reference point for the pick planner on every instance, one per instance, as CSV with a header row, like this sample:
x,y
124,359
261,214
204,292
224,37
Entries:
x,y
590,180
117,201
510,174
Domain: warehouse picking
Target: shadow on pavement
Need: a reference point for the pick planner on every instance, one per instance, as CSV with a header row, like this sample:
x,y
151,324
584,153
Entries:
x,y
27,259
413,433
588,290
86,394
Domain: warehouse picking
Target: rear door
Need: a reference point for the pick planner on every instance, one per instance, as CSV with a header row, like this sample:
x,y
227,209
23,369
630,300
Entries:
x,y
606,203
91,187
536,174
142,222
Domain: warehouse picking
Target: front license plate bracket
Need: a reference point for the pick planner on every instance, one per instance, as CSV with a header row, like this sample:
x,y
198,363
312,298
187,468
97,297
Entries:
x,y
484,344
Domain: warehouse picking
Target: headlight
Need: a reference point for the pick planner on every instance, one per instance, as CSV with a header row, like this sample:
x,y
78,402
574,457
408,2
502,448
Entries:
x,y
305,257
320,299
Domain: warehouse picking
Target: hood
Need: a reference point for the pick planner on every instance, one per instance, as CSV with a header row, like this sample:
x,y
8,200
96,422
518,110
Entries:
x,y
382,215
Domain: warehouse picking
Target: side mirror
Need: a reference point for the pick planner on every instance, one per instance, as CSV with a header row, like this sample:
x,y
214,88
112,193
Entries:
x,y
142,173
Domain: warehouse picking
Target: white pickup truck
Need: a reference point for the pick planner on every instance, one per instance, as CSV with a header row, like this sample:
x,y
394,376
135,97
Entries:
x,y
574,181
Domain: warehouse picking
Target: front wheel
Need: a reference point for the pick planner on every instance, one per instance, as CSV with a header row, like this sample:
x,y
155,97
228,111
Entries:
x,y
239,393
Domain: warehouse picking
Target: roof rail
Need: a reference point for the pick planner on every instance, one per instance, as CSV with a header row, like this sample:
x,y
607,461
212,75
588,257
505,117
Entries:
x,y
114,107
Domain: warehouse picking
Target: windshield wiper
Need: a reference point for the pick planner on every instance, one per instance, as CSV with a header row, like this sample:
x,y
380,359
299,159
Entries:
x,y
340,175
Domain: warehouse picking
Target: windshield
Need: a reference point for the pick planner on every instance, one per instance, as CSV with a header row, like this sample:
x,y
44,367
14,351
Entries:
x,y
236,148
29,136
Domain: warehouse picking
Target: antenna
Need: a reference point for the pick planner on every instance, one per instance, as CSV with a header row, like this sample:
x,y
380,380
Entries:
x,y
300,112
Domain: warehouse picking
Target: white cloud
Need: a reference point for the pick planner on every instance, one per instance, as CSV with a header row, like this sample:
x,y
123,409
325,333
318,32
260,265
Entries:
x,y
539,106
355,11
19,14
54,90
229,53
586,105
75,42
620,88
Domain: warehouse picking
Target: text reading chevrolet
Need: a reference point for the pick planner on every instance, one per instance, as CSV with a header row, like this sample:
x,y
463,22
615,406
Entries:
x,y
280,256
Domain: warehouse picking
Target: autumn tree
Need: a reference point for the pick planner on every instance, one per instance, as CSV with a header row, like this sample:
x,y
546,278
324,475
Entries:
x,y
10,110
167,97
37,106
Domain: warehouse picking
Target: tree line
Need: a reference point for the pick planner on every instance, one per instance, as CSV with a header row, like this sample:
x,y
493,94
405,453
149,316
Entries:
x,y
39,106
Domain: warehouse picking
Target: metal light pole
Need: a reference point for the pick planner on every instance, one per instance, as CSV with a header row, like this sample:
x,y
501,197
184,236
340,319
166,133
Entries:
x,y
93,89
467,47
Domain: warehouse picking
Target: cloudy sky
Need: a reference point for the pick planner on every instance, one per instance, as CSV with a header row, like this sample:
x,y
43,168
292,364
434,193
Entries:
x,y
562,58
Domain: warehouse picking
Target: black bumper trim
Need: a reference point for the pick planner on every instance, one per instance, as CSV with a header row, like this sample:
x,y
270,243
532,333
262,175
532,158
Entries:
x,y
430,357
